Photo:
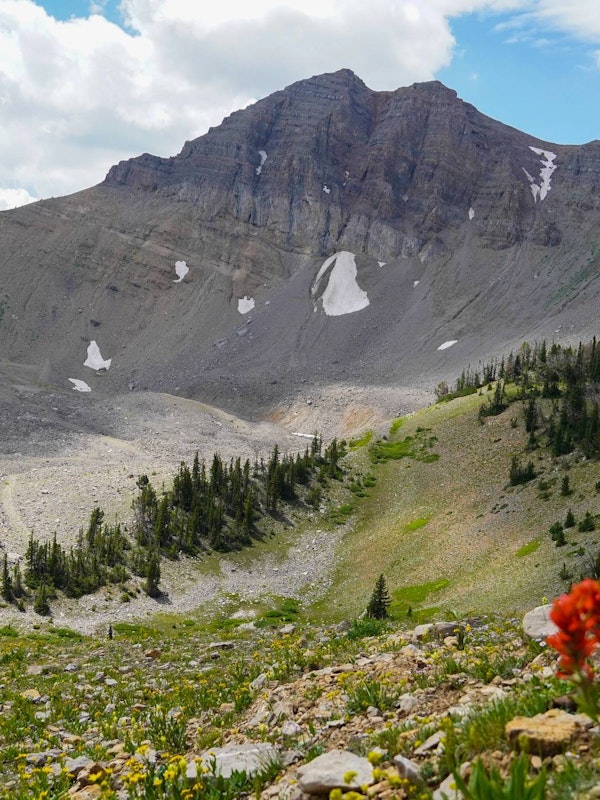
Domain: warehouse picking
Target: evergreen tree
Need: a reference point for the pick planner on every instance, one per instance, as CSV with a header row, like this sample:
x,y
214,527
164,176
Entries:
x,y
380,600
6,589
40,604
558,535
565,489
587,523
569,519
153,576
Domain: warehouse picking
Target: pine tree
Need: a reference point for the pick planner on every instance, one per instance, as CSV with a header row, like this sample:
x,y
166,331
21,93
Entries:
x,y
587,523
6,589
153,576
40,604
380,600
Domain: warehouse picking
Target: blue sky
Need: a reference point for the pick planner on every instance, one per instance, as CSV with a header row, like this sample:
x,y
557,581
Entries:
x,y
86,83
66,9
546,85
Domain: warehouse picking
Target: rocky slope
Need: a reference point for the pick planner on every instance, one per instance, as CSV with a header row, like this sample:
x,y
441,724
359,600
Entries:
x,y
211,273
153,713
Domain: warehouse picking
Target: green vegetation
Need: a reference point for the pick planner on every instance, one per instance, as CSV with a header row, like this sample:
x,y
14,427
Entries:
x,y
528,548
396,425
409,596
418,447
286,611
417,523
362,441
492,786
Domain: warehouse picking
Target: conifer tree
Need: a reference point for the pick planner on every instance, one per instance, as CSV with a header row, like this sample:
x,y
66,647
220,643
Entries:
x,y
380,600
40,604
6,589
153,576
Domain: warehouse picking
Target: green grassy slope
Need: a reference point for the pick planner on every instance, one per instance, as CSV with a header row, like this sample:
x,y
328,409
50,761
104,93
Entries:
x,y
453,534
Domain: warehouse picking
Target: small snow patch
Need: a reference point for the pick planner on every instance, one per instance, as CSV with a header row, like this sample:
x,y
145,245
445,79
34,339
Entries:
x,y
447,344
342,295
94,360
80,386
181,270
547,158
305,435
471,212
326,189
263,158
245,304
415,283
381,263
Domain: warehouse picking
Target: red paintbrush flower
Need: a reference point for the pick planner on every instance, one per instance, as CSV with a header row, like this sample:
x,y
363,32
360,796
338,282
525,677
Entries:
x,y
577,617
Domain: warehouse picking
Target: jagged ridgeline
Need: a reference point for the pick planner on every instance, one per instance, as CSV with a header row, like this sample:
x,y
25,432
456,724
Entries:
x,y
218,508
559,387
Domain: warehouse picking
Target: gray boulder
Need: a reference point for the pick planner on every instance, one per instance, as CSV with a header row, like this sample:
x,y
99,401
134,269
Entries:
x,y
330,771
537,623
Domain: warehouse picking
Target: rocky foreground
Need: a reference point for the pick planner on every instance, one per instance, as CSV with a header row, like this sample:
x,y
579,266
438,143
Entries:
x,y
288,713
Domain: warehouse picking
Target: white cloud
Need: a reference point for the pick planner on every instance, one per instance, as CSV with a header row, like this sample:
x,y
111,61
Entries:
x,y
11,198
80,95
578,18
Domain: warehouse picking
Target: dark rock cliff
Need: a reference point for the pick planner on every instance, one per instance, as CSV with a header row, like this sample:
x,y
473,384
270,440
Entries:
x,y
385,173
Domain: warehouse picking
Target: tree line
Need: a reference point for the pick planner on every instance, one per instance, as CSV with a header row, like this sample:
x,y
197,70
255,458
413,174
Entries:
x,y
214,507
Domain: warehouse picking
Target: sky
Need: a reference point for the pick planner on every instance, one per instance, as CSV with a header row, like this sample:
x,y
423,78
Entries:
x,y
87,83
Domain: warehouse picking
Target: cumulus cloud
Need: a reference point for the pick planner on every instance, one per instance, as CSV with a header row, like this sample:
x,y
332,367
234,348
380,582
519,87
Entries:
x,y
79,95
11,198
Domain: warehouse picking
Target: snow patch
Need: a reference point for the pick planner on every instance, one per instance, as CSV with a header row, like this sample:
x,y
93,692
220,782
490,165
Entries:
x,y
447,344
342,295
304,435
263,158
415,283
181,270
326,189
381,263
547,158
80,386
245,304
471,213
94,360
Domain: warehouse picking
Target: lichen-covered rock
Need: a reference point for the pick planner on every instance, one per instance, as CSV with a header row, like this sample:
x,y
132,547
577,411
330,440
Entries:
x,y
544,734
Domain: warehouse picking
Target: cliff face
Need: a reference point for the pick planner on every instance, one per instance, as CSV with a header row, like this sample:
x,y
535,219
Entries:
x,y
329,164
214,270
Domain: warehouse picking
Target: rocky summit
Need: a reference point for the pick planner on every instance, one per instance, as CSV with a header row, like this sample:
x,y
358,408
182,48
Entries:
x,y
328,234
